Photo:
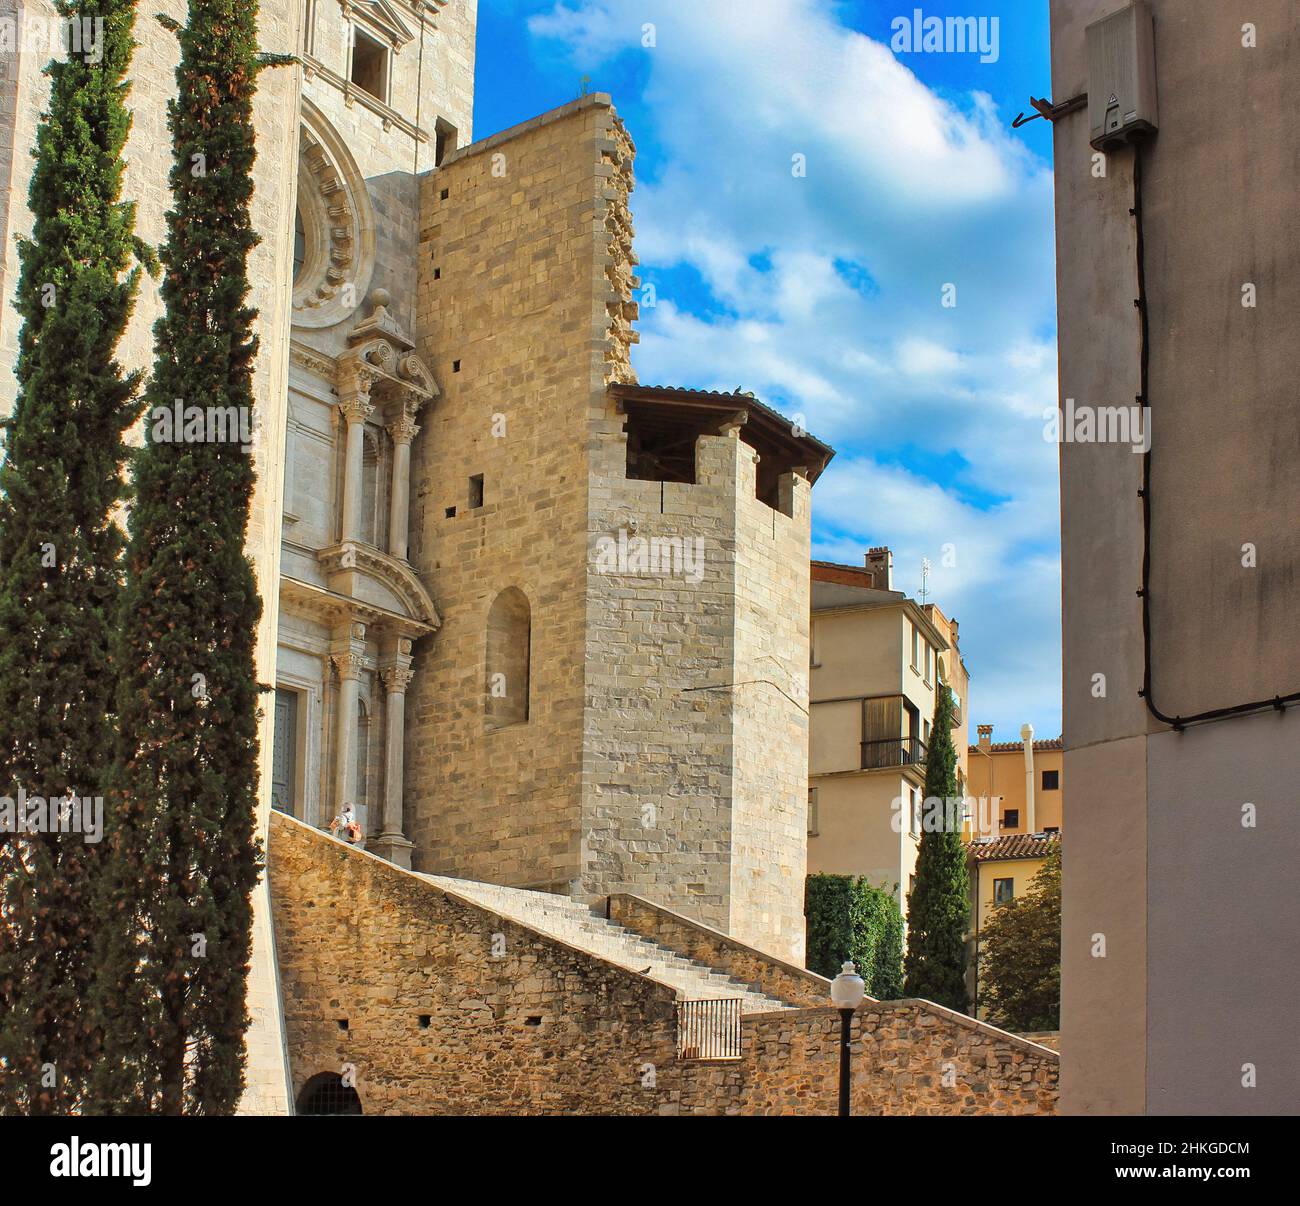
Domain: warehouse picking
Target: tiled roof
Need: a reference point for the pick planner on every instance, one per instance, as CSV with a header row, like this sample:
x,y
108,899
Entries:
x,y
738,399
1014,845
1005,747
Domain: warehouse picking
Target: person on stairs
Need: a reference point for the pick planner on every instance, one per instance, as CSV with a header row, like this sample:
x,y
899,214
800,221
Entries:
x,y
345,826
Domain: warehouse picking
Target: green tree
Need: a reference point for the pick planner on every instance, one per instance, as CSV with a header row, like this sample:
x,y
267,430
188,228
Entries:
x,y
61,556
1020,955
848,918
182,851
938,906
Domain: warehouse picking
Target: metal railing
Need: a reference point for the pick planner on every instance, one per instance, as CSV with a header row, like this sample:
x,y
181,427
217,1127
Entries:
x,y
708,1029
893,751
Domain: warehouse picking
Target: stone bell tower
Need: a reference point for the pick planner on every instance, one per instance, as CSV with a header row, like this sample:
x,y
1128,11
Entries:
x,y
617,698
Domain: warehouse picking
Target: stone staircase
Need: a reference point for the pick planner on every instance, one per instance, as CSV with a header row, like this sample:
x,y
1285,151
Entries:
x,y
572,922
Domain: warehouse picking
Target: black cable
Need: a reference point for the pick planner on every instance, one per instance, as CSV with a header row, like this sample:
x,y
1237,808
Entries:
x,y
1278,702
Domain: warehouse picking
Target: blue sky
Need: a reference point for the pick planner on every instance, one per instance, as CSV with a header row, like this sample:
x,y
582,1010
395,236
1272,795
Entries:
x,y
824,292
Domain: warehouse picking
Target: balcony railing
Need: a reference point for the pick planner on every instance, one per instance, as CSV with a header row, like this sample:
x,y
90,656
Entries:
x,y
893,751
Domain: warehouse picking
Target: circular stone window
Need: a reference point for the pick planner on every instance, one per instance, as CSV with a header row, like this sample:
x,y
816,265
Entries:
x,y
334,228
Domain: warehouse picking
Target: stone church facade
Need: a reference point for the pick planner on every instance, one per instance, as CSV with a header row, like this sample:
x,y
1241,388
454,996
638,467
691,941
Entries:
x,y
541,626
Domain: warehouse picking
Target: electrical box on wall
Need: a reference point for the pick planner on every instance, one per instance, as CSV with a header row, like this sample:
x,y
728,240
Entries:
x,y
1121,76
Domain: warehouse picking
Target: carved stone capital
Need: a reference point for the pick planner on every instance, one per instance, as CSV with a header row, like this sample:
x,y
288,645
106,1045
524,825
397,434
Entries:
x,y
356,407
403,428
348,665
396,679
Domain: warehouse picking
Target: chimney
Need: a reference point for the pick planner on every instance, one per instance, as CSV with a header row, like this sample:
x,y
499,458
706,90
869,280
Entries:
x,y
1027,736
880,561
986,736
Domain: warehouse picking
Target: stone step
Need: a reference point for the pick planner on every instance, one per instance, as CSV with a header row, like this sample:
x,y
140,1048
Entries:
x,y
572,922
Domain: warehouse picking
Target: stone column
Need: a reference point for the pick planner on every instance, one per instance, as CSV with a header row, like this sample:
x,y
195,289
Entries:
x,y
348,659
403,430
355,409
392,843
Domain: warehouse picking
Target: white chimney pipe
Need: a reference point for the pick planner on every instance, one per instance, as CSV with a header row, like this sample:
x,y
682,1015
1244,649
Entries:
x,y
1027,736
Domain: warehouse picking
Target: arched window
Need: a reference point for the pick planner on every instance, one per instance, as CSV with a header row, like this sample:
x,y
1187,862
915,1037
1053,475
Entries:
x,y
509,639
326,1093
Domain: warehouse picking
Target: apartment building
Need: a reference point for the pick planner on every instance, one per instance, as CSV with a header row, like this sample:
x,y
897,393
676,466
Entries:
x,y
877,660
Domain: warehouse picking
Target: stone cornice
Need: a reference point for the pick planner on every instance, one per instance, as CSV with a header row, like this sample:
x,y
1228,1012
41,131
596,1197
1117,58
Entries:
x,y
396,575
331,607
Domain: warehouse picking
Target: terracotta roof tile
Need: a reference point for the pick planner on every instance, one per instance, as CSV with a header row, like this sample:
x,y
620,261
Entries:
x,y
1005,747
1015,845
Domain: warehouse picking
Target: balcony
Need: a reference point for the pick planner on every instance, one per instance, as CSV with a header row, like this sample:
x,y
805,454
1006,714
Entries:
x,y
893,751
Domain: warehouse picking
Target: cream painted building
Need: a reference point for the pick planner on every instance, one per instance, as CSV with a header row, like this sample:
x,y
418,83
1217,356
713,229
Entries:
x,y
1016,785
1015,819
540,625
877,658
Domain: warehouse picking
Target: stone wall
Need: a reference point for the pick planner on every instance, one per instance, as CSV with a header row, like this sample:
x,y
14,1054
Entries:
x,y
695,771
908,1058
449,1009
769,823
439,1006
706,945
513,323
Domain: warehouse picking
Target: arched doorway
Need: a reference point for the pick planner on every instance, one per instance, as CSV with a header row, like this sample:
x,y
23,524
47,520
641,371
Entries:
x,y
326,1093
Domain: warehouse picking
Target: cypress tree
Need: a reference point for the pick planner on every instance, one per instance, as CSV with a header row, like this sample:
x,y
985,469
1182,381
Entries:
x,y
60,556
938,906
182,851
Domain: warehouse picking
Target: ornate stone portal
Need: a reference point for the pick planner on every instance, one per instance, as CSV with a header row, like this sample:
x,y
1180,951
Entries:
x,y
356,587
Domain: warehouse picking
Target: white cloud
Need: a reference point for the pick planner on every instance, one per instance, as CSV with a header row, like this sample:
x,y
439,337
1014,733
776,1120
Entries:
x,y
826,295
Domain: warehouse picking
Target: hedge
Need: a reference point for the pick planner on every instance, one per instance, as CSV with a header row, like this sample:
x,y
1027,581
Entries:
x,y
850,918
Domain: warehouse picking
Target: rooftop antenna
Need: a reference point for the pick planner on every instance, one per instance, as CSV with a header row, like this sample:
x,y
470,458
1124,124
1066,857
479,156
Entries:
x,y
925,578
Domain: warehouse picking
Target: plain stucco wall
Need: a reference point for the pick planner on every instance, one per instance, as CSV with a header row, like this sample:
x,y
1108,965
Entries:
x,y
1201,965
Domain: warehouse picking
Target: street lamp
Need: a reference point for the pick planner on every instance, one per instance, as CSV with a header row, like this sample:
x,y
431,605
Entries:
x,y
847,993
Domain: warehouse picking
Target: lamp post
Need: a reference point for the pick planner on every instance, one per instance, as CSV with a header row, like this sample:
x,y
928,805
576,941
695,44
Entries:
x,y
847,993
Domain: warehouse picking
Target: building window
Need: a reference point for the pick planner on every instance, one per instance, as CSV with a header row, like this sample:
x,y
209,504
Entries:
x,y
1051,780
475,491
812,812
928,652
509,654
1011,819
914,821
1004,890
369,65
1051,829
916,648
